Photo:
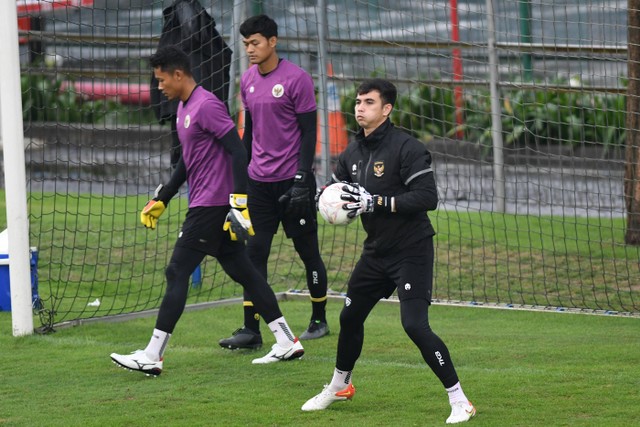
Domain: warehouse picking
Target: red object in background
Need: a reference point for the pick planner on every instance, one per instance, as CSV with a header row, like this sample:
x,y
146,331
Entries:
x,y
457,68
24,24
337,126
30,7
124,93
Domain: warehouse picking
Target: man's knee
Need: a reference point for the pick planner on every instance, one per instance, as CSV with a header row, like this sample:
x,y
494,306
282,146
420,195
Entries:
x,y
174,273
258,248
415,327
307,248
414,317
171,272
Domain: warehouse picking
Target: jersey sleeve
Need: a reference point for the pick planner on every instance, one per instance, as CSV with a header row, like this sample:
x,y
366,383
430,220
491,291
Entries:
x,y
418,177
415,161
243,97
215,119
304,95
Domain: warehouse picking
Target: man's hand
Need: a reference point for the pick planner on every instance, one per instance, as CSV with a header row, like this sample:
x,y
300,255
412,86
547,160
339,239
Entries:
x,y
298,198
238,222
151,212
360,201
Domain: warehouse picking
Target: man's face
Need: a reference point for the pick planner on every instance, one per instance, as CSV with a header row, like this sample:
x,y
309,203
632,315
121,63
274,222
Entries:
x,y
259,48
170,84
370,113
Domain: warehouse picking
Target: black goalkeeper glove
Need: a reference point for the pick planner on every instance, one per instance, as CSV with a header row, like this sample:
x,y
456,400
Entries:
x,y
297,199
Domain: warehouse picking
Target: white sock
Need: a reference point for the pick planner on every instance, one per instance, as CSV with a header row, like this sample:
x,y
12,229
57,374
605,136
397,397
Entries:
x,y
282,332
340,380
456,394
157,344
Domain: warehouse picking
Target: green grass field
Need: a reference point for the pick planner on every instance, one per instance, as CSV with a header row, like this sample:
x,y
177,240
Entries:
x,y
94,247
519,368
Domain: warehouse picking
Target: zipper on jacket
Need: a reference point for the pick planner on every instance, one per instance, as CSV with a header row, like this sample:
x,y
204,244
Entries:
x,y
368,164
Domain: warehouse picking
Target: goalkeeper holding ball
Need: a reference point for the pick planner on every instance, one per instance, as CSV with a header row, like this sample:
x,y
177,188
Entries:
x,y
389,183
214,163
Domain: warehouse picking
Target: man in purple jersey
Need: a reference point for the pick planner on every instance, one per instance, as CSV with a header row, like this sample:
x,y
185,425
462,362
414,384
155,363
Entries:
x,y
214,164
280,137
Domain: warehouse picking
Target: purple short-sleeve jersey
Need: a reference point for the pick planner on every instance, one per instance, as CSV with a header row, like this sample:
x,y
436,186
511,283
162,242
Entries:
x,y
274,101
201,123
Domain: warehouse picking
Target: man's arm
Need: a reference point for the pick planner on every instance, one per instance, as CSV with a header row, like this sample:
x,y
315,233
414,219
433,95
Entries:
x,y
234,146
238,222
164,193
170,189
247,137
308,127
418,176
298,199
422,195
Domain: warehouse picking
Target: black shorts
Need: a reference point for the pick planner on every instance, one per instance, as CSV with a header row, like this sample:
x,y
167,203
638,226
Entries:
x,y
202,231
410,272
267,213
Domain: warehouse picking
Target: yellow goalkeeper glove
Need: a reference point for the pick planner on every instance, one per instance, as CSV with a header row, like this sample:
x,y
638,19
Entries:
x,y
151,212
238,223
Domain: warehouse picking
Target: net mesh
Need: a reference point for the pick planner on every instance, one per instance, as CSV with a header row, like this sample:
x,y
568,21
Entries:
x,y
539,220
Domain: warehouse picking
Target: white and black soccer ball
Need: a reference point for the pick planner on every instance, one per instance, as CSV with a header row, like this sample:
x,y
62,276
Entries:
x,y
330,205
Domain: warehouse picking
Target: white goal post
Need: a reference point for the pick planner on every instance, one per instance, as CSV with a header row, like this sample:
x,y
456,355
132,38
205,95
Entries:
x,y
12,137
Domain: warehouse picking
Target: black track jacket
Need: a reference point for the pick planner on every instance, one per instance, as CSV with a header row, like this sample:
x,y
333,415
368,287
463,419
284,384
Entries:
x,y
189,26
390,162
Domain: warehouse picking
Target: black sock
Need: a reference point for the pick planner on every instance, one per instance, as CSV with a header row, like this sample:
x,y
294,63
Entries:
x,y
251,318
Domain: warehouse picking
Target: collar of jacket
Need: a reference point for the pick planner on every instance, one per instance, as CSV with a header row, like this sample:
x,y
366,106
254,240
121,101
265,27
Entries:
x,y
375,138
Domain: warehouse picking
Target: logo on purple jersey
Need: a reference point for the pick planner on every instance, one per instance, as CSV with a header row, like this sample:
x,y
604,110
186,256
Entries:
x,y
277,91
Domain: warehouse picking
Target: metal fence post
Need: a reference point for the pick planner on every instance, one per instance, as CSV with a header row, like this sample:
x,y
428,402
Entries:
x,y
325,162
496,120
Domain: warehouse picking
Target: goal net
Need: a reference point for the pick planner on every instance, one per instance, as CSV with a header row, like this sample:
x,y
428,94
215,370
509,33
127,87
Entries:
x,y
522,104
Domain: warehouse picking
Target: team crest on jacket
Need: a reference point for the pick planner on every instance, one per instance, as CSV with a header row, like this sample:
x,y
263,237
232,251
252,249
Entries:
x,y
187,121
378,169
354,169
277,91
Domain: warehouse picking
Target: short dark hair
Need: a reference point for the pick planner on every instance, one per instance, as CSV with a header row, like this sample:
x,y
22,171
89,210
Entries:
x,y
259,24
169,59
388,91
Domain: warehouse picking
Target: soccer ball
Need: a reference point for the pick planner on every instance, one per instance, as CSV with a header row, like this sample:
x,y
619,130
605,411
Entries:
x,y
330,205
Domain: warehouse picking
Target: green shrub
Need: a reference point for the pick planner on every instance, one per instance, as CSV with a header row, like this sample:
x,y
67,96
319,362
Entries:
x,y
529,117
47,99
